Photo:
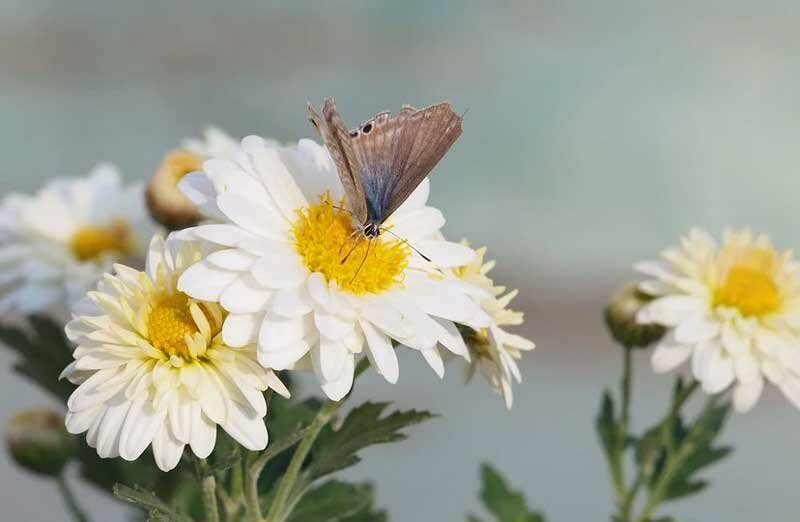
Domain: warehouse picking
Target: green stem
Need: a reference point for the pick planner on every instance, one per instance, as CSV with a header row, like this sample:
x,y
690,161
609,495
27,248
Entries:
x,y
208,485
676,457
70,500
277,511
617,465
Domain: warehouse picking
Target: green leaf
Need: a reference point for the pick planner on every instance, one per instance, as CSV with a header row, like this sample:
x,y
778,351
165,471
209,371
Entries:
x,y
606,425
150,502
473,518
333,501
695,445
505,504
365,425
43,352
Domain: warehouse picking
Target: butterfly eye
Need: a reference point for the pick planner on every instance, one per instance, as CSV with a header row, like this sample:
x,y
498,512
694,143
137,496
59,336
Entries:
x,y
353,133
366,128
314,123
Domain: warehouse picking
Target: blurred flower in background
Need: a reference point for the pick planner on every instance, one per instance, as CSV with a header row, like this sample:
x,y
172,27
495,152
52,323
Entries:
x,y
734,310
38,441
494,350
152,367
166,202
55,245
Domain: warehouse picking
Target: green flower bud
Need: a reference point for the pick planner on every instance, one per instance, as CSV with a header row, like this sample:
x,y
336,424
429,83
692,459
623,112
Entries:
x,y
39,442
620,315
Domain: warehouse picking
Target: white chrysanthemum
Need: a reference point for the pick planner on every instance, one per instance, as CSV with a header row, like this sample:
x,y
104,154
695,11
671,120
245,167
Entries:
x,y
56,245
734,310
494,351
152,367
297,281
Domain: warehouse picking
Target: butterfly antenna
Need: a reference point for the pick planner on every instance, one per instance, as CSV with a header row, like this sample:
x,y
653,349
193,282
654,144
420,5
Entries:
x,y
412,247
337,207
364,260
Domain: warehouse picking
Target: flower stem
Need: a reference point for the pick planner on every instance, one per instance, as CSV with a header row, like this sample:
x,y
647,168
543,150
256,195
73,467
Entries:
x,y
277,509
675,457
70,500
208,485
624,496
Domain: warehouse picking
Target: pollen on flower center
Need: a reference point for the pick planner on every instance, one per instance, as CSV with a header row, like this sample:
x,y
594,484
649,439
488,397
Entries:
x,y
91,241
324,238
750,290
175,320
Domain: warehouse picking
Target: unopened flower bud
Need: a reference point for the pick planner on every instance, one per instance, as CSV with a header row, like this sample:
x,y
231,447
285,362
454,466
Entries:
x,y
167,204
38,441
621,314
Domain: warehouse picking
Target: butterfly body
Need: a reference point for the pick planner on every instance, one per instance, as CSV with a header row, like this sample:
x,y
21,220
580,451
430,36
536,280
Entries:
x,y
381,162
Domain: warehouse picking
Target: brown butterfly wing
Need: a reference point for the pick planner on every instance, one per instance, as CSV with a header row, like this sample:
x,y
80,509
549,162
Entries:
x,y
396,153
338,141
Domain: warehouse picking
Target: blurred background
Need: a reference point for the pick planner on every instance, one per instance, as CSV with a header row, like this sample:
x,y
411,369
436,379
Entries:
x,y
596,133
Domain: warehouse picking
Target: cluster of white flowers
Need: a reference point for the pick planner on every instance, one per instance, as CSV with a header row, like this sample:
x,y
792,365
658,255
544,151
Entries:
x,y
733,310
261,284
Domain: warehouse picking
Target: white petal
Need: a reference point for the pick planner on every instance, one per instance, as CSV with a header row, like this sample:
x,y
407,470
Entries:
x,y
222,234
668,357
199,190
204,281
745,395
254,217
671,310
719,373
141,425
291,302
249,431
434,360
231,259
446,254
167,451
336,390
241,329
275,176
695,330
279,270
329,359
245,296
381,353
204,433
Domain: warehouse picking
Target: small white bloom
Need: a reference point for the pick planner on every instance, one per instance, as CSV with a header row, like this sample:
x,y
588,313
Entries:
x,y
56,245
733,310
295,279
152,367
494,350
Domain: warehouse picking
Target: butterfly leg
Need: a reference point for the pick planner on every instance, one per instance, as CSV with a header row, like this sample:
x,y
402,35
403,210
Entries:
x,y
352,249
364,260
347,239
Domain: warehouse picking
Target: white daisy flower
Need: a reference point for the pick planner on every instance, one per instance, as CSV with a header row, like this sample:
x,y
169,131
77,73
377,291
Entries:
x,y
297,281
494,351
733,310
56,245
152,367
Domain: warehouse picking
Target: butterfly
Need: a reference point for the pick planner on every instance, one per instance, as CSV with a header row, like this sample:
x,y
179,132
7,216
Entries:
x,y
381,162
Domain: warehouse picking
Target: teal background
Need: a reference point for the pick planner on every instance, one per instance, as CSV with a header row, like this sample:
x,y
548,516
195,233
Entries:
x,y
596,133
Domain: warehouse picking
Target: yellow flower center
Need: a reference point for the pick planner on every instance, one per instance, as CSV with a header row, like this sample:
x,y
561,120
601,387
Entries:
x,y
751,290
179,163
325,239
91,242
173,322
